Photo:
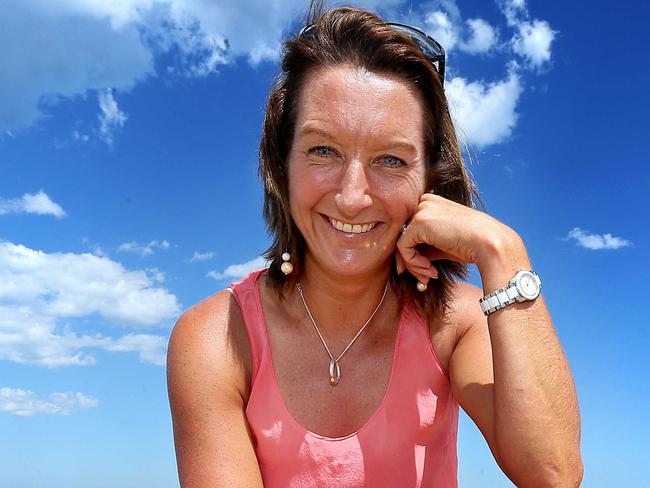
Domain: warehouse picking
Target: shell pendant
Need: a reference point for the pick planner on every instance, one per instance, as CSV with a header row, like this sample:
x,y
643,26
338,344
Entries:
x,y
335,372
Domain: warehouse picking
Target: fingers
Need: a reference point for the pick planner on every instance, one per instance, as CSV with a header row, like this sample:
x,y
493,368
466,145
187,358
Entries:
x,y
417,260
419,244
419,266
424,275
407,246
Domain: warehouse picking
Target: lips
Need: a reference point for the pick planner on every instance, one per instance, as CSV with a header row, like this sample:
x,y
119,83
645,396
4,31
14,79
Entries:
x,y
352,228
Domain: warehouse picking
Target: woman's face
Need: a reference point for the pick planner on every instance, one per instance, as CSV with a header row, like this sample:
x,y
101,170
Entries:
x,y
356,166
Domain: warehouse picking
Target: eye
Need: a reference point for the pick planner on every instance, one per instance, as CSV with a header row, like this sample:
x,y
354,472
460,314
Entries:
x,y
322,151
391,161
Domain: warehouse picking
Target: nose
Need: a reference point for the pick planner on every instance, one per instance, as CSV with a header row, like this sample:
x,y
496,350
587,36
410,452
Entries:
x,y
354,191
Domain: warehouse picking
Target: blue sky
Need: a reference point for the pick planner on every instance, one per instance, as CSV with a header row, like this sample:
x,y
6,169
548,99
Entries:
x,y
128,192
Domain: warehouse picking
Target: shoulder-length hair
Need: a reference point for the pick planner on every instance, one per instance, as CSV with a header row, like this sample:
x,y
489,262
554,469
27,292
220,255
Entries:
x,y
357,37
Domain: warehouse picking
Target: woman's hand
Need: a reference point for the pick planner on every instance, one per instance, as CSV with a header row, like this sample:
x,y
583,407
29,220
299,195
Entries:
x,y
443,229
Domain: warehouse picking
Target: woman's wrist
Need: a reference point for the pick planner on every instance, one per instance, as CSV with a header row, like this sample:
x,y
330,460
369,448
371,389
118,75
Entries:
x,y
501,257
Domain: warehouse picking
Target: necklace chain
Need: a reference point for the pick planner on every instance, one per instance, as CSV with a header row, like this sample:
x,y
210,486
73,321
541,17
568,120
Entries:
x,y
334,367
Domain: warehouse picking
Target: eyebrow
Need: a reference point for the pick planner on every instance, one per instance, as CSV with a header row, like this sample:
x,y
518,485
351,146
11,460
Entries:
x,y
310,129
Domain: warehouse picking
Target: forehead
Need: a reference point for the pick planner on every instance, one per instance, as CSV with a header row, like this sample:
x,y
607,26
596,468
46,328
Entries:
x,y
357,100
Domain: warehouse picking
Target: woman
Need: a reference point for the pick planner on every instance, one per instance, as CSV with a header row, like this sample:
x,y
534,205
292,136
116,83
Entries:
x,y
344,363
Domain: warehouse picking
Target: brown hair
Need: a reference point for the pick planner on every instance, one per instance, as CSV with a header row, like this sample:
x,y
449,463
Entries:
x,y
357,37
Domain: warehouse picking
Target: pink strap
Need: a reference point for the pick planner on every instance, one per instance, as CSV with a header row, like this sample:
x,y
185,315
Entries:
x,y
246,293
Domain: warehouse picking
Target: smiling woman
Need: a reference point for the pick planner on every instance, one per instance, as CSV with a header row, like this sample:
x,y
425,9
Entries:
x,y
345,362
388,54
357,161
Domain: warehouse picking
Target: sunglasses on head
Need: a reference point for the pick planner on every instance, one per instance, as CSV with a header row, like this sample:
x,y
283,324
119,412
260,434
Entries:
x,y
431,48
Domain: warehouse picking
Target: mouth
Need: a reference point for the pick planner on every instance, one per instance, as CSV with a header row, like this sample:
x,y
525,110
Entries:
x,y
352,228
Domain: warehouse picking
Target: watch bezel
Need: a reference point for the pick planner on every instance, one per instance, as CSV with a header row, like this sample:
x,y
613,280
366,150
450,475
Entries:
x,y
526,296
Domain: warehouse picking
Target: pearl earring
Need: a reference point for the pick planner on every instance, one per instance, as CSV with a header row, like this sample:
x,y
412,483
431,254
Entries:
x,y
422,287
286,267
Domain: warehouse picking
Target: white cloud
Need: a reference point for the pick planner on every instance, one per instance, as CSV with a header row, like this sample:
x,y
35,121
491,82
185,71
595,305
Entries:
x,y
35,203
25,403
119,13
79,46
111,117
143,249
87,46
596,241
513,10
532,38
239,270
201,256
228,29
80,136
440,26
41,294
533,42
446,25
482,37
97,250
151,348
484,113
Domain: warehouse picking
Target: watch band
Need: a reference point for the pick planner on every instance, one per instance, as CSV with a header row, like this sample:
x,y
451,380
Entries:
x,y
499,299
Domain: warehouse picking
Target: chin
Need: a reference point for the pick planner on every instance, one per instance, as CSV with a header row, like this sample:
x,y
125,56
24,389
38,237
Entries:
x,y
355,263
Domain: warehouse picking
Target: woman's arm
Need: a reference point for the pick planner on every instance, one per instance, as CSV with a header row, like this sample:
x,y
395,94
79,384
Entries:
x,y
207,385
508,372
510,375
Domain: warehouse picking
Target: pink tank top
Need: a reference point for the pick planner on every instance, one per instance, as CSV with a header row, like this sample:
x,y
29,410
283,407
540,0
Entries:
x,y
410,441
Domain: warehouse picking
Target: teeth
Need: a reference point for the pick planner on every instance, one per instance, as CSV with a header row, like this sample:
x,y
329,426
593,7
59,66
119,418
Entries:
x,y
351,228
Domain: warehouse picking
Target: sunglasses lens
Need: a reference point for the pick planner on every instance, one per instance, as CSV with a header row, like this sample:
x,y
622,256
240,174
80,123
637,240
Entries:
x,y
429,46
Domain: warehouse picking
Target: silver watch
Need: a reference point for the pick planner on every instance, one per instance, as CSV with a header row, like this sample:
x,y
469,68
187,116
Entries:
x,y
524,287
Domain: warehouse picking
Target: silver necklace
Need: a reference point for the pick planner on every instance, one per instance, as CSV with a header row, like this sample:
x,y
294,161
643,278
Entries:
x,y
335,368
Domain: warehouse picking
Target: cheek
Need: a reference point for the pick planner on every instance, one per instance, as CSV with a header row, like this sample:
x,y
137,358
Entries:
x,y
309,184
402,194
413,191
304,193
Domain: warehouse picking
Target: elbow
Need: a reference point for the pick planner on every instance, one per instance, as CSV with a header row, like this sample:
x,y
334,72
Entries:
x,y
564,474
568,475
571,475
578,473
574,474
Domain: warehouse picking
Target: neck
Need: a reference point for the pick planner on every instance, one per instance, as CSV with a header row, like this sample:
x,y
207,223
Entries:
x,y
341,304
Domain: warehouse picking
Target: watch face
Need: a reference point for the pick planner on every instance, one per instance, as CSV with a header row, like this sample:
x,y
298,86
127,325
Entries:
x,y
528,286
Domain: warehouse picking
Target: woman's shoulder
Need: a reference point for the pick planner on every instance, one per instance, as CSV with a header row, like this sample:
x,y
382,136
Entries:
x,y
465,298
462,312
207,384
210,337
211,318
464,308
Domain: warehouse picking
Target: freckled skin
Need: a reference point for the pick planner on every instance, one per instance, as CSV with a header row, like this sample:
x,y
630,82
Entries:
x,y
358,157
